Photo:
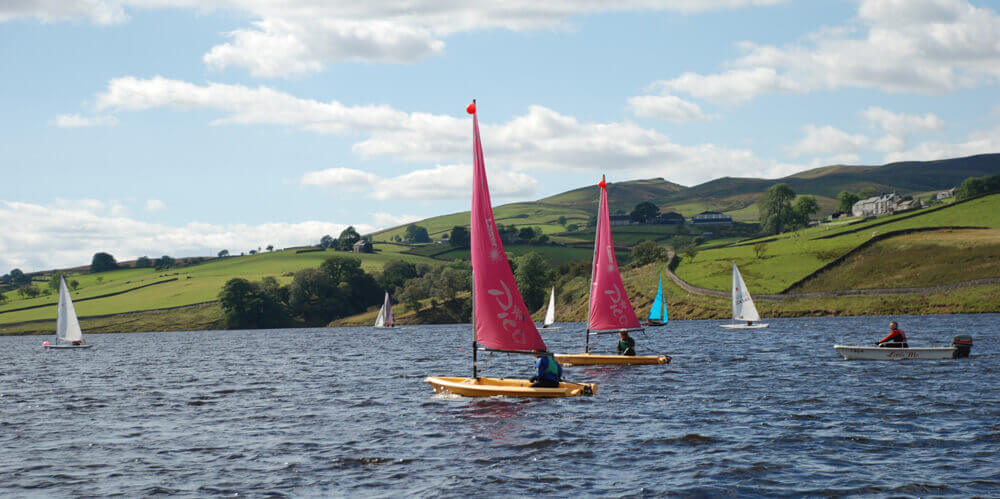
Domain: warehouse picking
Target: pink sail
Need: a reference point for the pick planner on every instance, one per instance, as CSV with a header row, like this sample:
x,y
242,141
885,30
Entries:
x,y
610,308
502,320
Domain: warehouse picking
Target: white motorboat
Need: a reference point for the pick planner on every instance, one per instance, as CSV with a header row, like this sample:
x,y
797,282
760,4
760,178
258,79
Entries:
x,y
959,347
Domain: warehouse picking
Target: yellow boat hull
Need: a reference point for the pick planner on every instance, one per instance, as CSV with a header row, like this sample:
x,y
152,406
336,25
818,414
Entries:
x,y
497,387
590,359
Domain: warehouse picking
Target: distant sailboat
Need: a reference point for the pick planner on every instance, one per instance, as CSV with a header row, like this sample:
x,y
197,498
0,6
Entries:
x,y
500,320
550,314
658,312
610,310
385,318
67,326
743,308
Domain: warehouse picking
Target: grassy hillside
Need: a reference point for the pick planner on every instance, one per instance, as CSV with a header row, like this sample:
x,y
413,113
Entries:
x,y
184,286
792,256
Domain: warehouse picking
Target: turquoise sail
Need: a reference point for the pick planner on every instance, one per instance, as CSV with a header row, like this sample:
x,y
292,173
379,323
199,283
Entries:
x,y
658,312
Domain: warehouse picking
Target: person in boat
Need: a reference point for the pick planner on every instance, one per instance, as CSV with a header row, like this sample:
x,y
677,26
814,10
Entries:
x,y
626,345
77,342
895,339
549,371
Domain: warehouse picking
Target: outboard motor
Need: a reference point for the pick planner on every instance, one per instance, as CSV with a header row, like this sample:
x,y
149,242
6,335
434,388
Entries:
x,y
962,344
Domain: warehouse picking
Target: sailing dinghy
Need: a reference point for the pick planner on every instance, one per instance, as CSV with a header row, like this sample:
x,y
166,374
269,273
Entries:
x,y
550,314
385,318
501,322
658,311
960,347
743,308
611,311
68,332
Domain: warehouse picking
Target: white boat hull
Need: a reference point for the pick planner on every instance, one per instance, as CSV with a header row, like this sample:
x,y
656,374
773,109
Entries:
x,y
852,352
62,347
744,326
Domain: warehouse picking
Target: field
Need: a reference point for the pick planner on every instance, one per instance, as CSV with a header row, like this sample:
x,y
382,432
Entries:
x,y
188,285
518,214
794,255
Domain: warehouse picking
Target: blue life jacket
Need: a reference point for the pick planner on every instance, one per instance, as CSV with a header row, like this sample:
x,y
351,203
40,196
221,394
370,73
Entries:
x,y
548,368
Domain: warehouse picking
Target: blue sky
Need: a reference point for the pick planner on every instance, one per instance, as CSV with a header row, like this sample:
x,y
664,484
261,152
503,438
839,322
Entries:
x,y
137,128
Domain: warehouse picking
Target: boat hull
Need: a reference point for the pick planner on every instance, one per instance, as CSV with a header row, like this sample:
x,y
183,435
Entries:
x,y
590,359
655,323
66,347
744,326
853,352
499,387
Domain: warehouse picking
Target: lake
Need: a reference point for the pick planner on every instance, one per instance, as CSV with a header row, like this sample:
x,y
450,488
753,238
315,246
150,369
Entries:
x,y
341,411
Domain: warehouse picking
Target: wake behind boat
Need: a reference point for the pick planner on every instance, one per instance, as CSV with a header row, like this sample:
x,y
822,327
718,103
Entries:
x,y
743,308
500,321
610,310
960,347
68,332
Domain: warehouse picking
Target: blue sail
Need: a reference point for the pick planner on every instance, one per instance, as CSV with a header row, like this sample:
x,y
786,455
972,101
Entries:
x,y
658,311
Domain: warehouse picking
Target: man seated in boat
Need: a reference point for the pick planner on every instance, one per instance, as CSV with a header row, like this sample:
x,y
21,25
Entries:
x,y
549,371
895,339
77,342
626,345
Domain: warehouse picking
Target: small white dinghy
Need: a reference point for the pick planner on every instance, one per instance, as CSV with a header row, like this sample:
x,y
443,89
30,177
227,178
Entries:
x,y
550,314
959,348
744,310
67,326
385,318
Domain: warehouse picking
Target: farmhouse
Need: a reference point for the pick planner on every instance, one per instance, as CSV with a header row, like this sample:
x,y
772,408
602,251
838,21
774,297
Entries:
x,y
950,193
711,218
670,218
621,219
363,246
876,205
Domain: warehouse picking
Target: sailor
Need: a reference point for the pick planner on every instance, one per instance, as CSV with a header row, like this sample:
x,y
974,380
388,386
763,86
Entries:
x,y
626,345
549,371
895,339
77,342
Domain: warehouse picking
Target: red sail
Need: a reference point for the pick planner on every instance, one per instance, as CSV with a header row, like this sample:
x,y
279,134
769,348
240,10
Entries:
x,y
610,308
502,320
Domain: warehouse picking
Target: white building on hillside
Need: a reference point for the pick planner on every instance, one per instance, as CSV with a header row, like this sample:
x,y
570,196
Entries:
x,y
875,206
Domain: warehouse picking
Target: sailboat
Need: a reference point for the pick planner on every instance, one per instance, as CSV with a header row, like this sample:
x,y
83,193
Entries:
x,y
611,311
500,320
67,326
550,314
385,318
744,310
658,311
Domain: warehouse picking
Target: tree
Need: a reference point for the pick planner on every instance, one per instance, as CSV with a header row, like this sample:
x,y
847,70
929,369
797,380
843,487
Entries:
x,y
326,241
313,295
776,208
395,274
102,262
459,236
18,278
347,238
270,248
846,201
562,221
644,212
760,249
532,277
867,192
526,234
977,186
249,305
3,298
572,227
805,207
647,252
164,262
5,279
31,291
74,284
143,262
416,234
253,252
224,253
54,281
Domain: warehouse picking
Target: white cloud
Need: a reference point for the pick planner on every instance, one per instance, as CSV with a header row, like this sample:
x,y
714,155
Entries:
x,y
541,139
667,107
78,121
392,220
440,182
297,36
341,178
980,142
921,46
899,127
37,237
155,205
829,141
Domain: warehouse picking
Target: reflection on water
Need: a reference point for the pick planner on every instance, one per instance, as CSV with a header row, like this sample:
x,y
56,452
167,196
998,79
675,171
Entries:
x,y
346,411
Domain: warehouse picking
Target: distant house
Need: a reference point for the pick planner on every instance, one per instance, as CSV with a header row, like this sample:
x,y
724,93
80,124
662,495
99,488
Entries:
x,y
711,218
910,204
621,219
876,205
670,218
363,246
950,193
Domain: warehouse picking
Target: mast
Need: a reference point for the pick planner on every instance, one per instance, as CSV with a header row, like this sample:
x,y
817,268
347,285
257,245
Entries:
x,y
593,263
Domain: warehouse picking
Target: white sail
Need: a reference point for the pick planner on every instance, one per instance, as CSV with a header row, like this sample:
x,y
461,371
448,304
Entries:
x,y
387,306
550,314
380,320
67,325
743,307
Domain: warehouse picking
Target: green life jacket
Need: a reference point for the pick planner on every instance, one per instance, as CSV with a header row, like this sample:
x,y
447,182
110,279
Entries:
x,y
553,367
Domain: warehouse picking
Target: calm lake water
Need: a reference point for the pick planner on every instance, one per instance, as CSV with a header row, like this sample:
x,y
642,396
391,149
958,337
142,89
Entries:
x,y
346,411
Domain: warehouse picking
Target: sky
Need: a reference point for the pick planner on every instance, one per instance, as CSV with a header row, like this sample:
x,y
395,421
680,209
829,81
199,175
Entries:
x,y
184,127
